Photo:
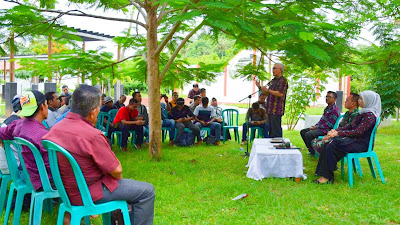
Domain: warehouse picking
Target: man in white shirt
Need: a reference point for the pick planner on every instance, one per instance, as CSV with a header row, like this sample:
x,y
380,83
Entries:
x,y
206,117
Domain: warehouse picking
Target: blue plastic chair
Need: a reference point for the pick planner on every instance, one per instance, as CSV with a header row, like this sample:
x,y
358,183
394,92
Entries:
x,y
5,179
17,184
370,154
38,197
112,114
100,122
88,208
230,117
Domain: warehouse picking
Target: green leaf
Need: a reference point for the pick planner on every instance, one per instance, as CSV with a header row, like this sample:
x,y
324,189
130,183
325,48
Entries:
x,y
317,52
306,36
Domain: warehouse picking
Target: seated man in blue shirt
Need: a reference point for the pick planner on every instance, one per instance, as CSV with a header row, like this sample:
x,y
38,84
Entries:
x,y
205,117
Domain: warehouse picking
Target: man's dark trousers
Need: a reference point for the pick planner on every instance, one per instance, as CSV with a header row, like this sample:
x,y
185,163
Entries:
x,y
308,135
275,125
125,133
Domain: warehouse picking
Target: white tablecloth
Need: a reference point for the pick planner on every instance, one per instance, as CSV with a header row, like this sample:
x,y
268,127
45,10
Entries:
x,y
267,161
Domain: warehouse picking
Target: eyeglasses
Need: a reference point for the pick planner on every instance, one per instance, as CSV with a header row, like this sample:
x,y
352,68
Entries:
x,y
328,97
274,68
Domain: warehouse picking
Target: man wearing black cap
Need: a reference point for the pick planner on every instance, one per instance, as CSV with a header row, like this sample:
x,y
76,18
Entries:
x,y
34,109
183,118
195,91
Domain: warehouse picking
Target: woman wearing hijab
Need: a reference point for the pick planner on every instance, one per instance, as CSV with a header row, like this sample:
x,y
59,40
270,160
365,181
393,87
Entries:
x,y
351,138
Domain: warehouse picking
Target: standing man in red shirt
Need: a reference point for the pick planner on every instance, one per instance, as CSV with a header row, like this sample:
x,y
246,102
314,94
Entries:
x,y
276,98
101,168
127,119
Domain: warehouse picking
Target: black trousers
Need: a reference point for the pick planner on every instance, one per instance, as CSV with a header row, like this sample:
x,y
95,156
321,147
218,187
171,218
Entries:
x,y
275,125
309,135
125,133
335,151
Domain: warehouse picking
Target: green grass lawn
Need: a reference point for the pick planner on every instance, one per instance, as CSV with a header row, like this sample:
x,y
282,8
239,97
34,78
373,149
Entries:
x,y
195,185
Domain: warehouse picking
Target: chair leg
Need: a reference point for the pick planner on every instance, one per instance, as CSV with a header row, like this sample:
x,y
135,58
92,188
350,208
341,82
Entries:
x,y
61,214
18,207
350,170
37,214
106,218
378,167
357,166
31,210
3,192
9,202
371,167
126,216
237,138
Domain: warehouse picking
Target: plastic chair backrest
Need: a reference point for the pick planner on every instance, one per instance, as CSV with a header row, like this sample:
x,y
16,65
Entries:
x,y
373,134
53,148
44,178
45,124
100,121
112,114
11,161
230,117
338,121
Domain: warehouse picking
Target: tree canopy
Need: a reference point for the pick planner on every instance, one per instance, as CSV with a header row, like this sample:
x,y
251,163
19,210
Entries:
x,y
313,34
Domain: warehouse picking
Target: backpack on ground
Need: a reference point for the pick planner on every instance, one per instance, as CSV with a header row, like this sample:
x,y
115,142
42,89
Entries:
x,y
187,139
211,140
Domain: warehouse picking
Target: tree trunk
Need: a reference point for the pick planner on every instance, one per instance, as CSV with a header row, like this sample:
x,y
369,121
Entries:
x,y
153,82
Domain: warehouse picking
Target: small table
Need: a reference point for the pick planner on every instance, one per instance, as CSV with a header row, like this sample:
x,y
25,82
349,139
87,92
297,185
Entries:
x,y
266,161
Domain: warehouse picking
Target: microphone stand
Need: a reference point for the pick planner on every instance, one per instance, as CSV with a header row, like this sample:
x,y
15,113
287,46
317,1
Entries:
x,y
248,125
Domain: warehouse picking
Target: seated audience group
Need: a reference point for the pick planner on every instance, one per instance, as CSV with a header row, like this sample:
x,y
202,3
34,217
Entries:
x,y
101,169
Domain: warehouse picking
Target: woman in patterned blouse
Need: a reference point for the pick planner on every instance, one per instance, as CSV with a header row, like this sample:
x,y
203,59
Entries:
x,y
353,137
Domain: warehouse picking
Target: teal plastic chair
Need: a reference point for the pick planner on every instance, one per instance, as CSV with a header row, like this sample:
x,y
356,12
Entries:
x,y
100,122
260,133
18,184
88,208
5,179
230,117
207,130
370,154
112,113
38,197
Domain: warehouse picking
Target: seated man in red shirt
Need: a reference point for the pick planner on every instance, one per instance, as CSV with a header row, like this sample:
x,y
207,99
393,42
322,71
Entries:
x,y
127,119
100,167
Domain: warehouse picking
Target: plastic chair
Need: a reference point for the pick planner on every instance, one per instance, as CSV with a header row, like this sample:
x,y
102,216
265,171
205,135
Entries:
x,y
17,184
45,124
260,133
112,113
231,118
5,179
38,197
370,154
88,208
207,130
100,122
